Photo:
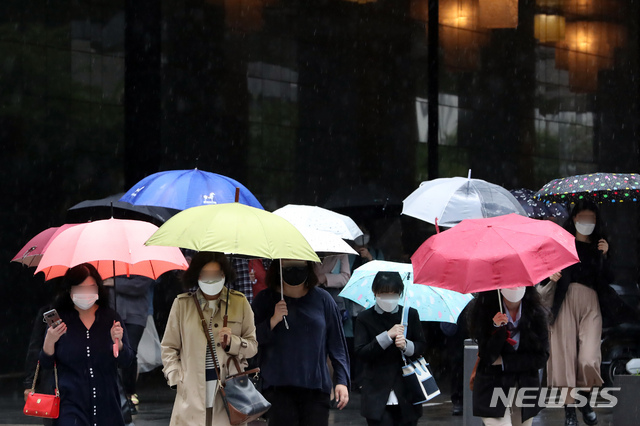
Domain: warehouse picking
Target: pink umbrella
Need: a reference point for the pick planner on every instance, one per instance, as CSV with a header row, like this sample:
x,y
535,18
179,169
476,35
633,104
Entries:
x,y
489,254
114,246
31,253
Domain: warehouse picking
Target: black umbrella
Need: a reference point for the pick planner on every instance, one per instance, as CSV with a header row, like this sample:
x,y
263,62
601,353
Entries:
x,y
596,187
538,209
91,210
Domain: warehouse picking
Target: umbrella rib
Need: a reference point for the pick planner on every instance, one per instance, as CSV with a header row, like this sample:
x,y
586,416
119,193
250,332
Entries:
x,y
449,199
518,256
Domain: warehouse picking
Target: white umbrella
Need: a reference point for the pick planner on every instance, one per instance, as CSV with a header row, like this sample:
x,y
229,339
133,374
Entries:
x,y
325,243
451,200
320,219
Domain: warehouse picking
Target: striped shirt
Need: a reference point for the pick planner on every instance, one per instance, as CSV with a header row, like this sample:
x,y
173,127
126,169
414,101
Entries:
x,y
210,368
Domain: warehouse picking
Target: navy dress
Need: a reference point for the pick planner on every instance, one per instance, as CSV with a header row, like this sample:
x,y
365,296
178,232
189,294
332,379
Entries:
x,y
88,371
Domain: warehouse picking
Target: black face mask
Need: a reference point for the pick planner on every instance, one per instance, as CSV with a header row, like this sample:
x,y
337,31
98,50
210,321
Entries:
x,y
294,275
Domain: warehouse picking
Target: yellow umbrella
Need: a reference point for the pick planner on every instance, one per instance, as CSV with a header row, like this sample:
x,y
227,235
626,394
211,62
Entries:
x,y
236,229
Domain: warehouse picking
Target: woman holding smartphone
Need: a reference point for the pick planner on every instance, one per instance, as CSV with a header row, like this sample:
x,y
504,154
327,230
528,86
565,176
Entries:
x,y
81,348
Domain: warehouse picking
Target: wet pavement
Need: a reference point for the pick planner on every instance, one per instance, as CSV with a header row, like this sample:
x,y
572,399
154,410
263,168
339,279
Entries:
x,y
156,400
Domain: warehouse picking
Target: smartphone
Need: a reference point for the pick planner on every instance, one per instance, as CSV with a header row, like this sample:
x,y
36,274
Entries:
x,y
52,318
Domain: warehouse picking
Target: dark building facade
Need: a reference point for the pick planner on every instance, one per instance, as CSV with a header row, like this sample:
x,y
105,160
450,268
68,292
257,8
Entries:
x,y
298,99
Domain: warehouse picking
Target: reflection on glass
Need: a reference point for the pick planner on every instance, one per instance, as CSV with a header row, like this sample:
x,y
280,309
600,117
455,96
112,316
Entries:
x,y
460,34
588,48
549,28
498,13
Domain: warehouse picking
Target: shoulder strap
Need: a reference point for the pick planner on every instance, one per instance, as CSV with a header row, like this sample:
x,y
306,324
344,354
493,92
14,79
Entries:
x,y
35,378
205,329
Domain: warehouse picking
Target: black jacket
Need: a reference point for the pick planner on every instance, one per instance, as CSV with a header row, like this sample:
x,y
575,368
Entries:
x,y
383,367
520,367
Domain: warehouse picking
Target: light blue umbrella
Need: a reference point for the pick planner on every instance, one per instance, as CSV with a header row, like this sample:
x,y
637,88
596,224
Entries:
x,y
432,303
182,189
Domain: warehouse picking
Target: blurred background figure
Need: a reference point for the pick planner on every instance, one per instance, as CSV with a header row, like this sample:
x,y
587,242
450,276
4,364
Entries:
x,y
250,276
131,298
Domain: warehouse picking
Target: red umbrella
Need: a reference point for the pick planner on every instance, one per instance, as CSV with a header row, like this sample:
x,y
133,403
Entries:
x,y
31,253
114,246
489,254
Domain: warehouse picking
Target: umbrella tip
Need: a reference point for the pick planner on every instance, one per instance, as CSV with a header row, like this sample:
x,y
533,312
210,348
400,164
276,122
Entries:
x,y
469,174
237,194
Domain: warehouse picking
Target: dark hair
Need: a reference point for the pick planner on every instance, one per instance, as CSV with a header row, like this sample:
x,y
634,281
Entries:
x,y
272,278
581,206
387,282
191,275
484,307
75,276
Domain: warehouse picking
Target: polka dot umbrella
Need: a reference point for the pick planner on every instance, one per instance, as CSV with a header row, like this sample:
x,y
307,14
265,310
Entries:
x,y
596,187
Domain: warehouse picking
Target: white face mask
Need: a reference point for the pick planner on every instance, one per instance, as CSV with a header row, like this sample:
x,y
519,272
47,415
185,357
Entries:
x,y
585,228
84,301
388,302
211,288
513,295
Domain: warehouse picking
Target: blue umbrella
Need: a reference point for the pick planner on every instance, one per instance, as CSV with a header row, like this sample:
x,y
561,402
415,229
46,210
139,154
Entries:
x,y
432,303
182,189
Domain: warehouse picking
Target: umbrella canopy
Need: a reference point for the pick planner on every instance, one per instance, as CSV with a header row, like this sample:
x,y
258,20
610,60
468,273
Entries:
x,y
432,303
325,243
596,187
488,254
113,246
234,228
538,209
106,208
451,200
31,253
320,219
182,189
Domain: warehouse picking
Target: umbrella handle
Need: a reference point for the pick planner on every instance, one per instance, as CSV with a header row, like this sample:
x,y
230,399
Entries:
x,y
116,350
500,301
284,317
224,324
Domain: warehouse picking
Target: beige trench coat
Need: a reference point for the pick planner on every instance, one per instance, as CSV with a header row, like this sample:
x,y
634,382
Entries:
x,y
184,349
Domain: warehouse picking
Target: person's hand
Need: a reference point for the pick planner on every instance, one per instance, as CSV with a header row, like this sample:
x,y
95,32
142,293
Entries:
x,y
53,335
342,396
395,330
224,335
401,342
498,361
365,254
279,311
555,277
322,279
26,392
252,276
116,333
603,246
500,319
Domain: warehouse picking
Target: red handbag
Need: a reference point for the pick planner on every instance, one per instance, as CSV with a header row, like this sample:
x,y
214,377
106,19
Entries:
x,y
41,404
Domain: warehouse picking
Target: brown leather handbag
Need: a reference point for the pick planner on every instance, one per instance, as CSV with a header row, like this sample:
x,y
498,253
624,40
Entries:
x,y
40,404
242,401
